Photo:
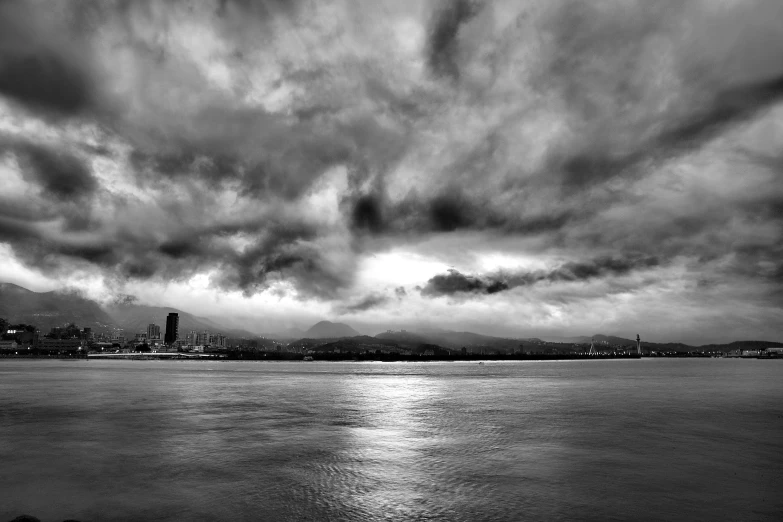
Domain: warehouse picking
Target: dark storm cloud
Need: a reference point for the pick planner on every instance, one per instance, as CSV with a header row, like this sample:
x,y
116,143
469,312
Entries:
x,y
635,115
285,251
181,248
450,211
531,125
455,282
367,213
59,173
454,210
67,185
729,107
187,163
270,155
579,271
44,81
368,302
100,254
36,71
262,155
14,230
443,40
691,131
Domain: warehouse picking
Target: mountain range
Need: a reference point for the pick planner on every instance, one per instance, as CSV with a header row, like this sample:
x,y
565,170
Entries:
x,y
49,309
329,330
136,318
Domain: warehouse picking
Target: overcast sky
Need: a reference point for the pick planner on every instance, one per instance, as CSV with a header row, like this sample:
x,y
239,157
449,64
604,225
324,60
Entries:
x,y
513,167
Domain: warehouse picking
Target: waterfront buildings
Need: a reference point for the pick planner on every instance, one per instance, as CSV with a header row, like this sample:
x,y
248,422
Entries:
x,y
59,344
8,345
172,328
153,332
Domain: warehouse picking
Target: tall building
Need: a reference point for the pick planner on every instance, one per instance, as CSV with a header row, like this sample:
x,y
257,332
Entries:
x,y
172,328
153,332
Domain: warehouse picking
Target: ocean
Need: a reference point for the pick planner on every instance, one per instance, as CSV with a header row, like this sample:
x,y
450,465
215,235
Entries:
x,y
649,439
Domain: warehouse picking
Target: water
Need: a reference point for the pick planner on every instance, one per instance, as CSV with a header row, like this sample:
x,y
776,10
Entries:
x,y
643,439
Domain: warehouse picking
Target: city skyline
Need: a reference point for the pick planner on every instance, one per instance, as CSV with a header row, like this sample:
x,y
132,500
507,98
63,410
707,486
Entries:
x,y
511,168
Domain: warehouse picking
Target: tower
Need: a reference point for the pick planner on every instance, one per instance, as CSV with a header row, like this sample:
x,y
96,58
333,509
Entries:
x,y
153,331
172,328
638,345
593,351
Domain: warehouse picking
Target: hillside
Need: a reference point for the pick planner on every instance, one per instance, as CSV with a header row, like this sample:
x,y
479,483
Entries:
x,y
472,342
364,343
135,318
49,309
329,330
46,310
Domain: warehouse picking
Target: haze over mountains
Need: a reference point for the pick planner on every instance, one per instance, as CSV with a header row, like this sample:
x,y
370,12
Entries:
x,y
49,309
135,318
326,329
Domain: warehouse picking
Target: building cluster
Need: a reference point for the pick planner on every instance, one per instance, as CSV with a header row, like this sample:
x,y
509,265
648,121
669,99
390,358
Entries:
x,y
750,353
20,339
170,338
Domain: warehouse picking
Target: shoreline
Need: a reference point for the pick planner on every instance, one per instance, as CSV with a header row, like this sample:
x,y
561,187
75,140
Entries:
x,y
329,358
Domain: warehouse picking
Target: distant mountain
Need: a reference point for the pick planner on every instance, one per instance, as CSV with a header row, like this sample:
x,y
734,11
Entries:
x,y
613,340
353,344
49,309
566,340
610,340
46,310
472,342
328,330
290,333
135,318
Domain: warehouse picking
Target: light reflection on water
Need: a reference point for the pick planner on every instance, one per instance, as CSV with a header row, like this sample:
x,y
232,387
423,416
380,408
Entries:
x,y
136,440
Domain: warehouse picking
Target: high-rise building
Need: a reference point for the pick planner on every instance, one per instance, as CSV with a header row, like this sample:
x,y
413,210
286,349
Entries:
x,y
153,332
172,328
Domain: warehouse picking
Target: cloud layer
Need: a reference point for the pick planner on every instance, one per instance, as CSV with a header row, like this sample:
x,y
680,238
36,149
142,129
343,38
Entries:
x,y
597,149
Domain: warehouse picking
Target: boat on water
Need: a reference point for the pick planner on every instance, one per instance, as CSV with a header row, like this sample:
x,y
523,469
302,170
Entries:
x,y
307,358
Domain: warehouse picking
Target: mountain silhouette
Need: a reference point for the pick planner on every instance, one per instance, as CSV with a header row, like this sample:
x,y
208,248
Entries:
x,y
46,310
329,330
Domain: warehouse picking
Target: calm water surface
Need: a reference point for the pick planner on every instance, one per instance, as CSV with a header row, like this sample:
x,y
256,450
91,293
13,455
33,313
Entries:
x,y
567,440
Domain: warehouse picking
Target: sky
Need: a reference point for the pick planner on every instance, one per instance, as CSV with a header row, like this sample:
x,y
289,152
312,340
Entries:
x,y
516,168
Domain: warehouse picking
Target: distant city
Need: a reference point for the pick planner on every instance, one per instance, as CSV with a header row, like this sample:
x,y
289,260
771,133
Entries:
x,y
71,339
335,341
